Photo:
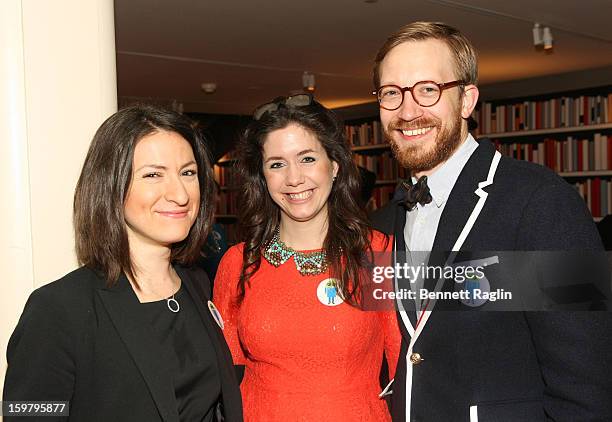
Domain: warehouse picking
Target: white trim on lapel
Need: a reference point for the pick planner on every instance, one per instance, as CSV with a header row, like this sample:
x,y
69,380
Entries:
x,y
482,198
410,328
400,305
473,413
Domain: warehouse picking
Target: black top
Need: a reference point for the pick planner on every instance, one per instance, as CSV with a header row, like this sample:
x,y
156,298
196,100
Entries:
x,y
193,362
81,341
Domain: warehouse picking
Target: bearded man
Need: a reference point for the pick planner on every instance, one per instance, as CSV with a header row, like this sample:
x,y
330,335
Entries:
x,y
462,365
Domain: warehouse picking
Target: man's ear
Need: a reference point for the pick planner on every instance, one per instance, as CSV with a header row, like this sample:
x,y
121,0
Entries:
x,y
469,100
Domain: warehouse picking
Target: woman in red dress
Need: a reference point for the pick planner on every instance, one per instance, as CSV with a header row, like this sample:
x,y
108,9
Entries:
x,y
292,294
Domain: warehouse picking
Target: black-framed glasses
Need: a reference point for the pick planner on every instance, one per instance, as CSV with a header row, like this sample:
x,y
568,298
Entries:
x,y
298,100
424,93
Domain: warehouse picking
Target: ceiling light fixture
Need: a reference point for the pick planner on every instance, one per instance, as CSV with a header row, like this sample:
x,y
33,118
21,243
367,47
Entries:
x,y
209,87
537,35
542,37
547,38
308,81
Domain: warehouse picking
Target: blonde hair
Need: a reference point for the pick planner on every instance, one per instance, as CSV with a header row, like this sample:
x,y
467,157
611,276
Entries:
x,y
462,50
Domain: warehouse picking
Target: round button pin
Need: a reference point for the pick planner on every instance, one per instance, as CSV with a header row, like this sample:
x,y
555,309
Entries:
x,y
328,292
216,314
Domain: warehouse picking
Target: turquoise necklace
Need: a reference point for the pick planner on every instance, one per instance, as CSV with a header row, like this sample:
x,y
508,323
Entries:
x,y
307,263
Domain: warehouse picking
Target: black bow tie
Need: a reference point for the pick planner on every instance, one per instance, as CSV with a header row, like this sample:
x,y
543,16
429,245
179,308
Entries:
x,y
416,193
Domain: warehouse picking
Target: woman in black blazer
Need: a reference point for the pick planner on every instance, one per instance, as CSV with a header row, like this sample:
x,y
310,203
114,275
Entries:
x,y
131,335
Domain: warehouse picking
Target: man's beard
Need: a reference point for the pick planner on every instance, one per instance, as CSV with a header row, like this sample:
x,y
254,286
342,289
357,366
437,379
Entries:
x,y
415,157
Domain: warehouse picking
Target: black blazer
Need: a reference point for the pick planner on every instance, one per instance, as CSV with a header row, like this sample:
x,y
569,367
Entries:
x,y
79,341
514,366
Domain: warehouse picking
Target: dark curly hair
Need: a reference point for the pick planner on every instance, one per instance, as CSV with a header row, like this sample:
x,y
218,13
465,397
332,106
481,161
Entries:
x,y
348,235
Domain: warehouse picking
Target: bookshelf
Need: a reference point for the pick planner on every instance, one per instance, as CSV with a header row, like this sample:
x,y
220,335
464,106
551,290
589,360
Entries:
x,y
536,132
226,209
371,152
569,132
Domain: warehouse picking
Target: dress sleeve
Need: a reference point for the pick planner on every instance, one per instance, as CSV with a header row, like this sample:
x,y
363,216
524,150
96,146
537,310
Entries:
x,y
40,355
388,318
393,339
225,297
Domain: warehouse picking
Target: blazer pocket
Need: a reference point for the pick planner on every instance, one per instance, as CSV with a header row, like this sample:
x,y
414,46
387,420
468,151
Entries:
x,y
508,411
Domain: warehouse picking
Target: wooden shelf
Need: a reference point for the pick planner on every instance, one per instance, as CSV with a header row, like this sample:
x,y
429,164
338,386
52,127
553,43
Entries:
x,y
536,132
591,173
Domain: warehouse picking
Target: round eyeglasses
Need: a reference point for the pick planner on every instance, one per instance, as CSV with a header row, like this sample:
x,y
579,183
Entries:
x,y
424,93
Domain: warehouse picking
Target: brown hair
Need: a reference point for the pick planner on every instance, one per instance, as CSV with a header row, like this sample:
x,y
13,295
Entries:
x,y
462,50
101,240
348,235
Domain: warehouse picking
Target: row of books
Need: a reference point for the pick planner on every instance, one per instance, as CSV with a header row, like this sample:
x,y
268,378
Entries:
x,y
548,114
383,165
369,133
597,193
570,154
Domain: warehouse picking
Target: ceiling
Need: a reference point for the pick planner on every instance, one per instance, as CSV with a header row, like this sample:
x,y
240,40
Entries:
x,y
257,50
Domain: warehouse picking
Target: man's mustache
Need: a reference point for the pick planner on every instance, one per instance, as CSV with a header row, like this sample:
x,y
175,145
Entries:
x,y
401,124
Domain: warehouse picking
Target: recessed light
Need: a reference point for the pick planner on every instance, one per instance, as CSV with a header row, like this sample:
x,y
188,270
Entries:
x,y
209,87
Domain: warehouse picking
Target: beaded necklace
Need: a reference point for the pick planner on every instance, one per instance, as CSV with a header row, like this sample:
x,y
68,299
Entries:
x,y
307,263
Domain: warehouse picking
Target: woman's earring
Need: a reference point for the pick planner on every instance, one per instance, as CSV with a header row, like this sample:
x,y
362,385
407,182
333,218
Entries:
x,y
334,179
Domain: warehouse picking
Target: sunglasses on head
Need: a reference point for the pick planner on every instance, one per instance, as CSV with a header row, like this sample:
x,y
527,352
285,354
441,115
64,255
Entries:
x,y
299,100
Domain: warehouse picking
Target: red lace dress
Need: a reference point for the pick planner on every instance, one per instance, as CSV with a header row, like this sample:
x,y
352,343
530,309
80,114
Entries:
x,y
304,360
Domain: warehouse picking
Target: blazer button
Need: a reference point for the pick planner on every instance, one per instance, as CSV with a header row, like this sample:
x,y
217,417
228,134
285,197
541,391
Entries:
x,y
416,358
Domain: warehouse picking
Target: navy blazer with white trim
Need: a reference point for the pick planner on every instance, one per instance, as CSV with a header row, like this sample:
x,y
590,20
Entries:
x,y
514,366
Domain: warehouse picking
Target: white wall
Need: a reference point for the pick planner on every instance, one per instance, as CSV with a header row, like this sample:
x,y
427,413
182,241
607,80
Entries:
x,y
57,85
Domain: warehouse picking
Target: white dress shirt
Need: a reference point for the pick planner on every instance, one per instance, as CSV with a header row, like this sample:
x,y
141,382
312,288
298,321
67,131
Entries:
x,y
422,221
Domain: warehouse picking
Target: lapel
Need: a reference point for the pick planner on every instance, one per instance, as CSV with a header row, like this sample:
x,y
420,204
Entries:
x,y
230,390
459,207
135,331
462,199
